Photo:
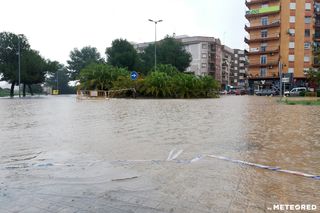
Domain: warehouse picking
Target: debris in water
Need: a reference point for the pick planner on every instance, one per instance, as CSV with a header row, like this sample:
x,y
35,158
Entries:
x,y
127,178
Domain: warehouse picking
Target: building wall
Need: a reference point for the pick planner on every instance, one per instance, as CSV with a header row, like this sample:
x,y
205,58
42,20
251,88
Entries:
x,y
298,66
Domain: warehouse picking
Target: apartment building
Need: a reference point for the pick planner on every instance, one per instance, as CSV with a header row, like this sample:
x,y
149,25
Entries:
x,y
227,66
238,77
206,55
209,57
281,35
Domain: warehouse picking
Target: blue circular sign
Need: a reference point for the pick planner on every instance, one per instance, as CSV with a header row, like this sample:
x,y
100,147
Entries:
x,y
134,75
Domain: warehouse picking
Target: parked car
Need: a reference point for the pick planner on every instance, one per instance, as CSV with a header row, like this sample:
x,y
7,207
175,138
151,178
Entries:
x,y
266,92
241,92
295,91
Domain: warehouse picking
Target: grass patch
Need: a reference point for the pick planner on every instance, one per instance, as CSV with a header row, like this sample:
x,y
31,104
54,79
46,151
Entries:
x,y
302,102
4,92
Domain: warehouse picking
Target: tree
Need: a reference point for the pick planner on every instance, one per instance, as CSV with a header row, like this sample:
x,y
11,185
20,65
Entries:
x,y
9,47
59,79
122,54
313,76
33,69
100,76
79,59
169,51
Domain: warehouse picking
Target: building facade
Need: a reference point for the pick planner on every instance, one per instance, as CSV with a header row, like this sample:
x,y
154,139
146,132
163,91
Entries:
x,y
210,57
239,77
206,55
281,40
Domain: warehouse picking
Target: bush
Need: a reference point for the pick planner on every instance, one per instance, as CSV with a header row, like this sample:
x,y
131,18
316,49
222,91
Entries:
x,y
302,94
310,94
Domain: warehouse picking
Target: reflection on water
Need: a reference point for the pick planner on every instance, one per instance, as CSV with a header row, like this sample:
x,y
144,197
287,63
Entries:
x,y
59,154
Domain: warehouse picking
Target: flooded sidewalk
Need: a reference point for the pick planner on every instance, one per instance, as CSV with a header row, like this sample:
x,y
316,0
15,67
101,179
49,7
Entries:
x,y
59,154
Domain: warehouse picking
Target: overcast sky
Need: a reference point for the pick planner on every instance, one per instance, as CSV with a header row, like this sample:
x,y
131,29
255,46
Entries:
x,y
55,27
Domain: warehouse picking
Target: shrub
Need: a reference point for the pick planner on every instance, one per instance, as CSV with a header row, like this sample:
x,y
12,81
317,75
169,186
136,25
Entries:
x,y
310,94
302,94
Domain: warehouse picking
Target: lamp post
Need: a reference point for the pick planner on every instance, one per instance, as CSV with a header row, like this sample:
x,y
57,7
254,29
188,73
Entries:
x,y
57,80
155,41
19,64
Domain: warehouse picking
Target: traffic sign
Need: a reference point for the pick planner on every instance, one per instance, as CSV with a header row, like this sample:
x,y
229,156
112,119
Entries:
x,y
285,80
134,75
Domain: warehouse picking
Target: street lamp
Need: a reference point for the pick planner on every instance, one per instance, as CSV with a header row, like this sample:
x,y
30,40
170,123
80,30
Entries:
x,y
19,63
155,41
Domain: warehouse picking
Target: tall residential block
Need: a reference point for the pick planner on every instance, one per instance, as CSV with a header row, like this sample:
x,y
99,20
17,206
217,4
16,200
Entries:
x,y
210,57
282,33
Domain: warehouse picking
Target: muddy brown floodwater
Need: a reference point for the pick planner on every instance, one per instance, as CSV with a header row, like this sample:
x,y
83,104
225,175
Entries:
x,y
59,154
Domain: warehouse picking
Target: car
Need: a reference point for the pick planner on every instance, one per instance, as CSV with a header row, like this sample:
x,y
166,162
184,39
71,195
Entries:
x,y
295,91
241,92
266,92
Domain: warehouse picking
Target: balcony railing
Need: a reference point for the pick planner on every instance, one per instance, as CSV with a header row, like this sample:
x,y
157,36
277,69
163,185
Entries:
x,y
263,11
270,38
316,37
253,2
259,52
270,64
259,27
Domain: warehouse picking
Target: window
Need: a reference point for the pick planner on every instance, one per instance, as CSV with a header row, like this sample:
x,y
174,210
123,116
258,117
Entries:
x,y
307,45
204,55
308,6
263,72
263,47
204,46
204,65
236,61
292,32
291,45
307,33
306,59
307,20
292,6
264,20
291,58
235,74
264,33
236,55
292,19
291,70
263,59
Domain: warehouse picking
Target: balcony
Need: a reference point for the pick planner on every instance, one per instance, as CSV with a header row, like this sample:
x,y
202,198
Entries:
x,y
316,63
242,71
264,11
269,52
259,27
270,64
316,50
316,37
317,24
259,40
254,2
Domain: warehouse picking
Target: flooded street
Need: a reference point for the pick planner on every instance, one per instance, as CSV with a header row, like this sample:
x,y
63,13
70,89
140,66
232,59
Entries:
x,y
60,154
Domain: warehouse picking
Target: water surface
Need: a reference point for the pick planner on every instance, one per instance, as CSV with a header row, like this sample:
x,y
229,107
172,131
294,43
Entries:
x,y
60,154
